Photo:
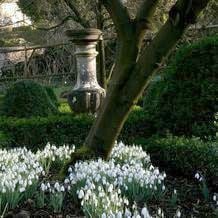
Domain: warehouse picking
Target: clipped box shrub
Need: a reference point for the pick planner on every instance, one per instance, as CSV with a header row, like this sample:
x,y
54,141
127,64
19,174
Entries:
x,y
185,100
51,94
28,99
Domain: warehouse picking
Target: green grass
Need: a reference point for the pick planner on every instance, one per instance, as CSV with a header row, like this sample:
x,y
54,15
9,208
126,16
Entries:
x,y
64,108
59,90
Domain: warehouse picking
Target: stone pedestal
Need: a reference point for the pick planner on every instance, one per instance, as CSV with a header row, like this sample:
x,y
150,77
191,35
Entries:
x,y
87,95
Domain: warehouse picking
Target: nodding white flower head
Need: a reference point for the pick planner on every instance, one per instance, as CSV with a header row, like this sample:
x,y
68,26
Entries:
x,y
126,201
127,213
104,215
22,189
178,213
43,187
160,212
66,181
62,189
197,176
145,213
110,188
81,194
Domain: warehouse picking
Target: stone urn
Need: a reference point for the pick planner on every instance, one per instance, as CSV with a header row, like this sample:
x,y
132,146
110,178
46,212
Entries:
x,y
87,95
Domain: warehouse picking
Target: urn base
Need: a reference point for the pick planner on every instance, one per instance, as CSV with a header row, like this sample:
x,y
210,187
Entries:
x,y
86,101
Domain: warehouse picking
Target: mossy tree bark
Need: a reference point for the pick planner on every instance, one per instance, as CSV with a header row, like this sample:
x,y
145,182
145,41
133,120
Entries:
x,y
134,68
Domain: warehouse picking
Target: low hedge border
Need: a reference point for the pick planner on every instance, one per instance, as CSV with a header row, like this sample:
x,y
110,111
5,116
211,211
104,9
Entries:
x,y
184,156
66,128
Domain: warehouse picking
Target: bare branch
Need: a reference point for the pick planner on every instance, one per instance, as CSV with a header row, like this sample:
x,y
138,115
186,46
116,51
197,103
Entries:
x,y
144,14
120,17
182,14
58,25
12,24
78,17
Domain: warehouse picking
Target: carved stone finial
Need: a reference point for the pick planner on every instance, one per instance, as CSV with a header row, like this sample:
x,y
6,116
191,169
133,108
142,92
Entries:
x,y
87,95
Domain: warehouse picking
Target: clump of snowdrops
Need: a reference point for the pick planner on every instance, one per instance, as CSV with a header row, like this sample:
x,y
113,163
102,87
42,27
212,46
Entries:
x,y
106,187
51,154
127,177
21,171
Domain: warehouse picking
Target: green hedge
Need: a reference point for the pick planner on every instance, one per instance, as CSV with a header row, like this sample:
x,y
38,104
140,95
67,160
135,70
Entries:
x,y
183,156
184,100
64,129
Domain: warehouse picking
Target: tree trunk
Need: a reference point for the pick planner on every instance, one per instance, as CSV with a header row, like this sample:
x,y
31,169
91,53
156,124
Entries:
x,y
125,87
132,73
132,76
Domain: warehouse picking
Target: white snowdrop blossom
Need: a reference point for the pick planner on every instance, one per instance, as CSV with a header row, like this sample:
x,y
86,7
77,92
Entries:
x,y
199,177
145,213
178,213
215,199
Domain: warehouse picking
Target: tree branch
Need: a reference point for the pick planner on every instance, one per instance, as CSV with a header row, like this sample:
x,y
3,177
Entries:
x,y
144,14
120,17
78,16
182,14
58,25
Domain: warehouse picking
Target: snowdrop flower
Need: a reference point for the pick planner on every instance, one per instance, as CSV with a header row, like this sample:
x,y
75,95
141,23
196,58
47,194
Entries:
x,y
127,213
81,194
22,189
103,215
197,176
62,189
178,213
66,181
145,213
110,188
43,187
119,214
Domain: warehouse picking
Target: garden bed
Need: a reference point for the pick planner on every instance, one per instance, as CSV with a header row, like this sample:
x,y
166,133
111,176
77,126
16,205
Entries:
x,y
127,183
